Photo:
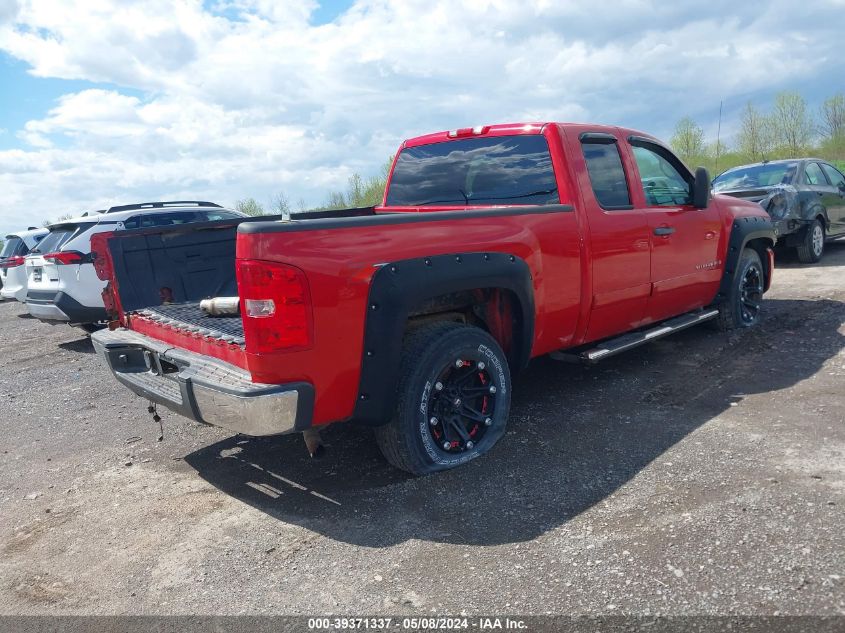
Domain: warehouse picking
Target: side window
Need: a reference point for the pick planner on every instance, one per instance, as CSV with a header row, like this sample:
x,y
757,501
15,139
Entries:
x,y
663,183
167,219
834,176
212,216
131,223
813,175
607,176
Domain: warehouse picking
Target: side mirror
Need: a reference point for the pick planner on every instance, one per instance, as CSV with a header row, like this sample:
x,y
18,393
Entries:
x,y
701,189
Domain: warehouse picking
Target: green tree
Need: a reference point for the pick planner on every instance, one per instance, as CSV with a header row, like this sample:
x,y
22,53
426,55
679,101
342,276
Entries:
x,y
832,117
360,192
792,124
61,218
279,204
755,140
249,206
688,140
832,127
335,200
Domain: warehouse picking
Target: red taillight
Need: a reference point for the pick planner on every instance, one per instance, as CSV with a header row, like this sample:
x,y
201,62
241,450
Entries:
x,y
65,257
275,307
12,262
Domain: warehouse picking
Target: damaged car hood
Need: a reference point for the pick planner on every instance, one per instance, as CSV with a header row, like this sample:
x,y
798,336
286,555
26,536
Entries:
x,y
777,200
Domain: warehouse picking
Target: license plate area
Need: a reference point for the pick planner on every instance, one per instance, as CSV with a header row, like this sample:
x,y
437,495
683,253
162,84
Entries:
x,y
155,364
36,274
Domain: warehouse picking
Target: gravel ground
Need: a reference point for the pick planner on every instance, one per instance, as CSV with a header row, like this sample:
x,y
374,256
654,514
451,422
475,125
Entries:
x,y
702,474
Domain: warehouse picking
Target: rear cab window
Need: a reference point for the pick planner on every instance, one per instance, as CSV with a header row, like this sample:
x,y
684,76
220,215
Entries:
x,y
607,175
494,170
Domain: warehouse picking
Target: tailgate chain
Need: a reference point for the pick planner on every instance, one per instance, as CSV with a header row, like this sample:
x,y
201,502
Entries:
x,y
152,408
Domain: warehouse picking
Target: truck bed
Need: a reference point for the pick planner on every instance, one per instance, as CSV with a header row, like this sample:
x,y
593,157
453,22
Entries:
x,y
188,317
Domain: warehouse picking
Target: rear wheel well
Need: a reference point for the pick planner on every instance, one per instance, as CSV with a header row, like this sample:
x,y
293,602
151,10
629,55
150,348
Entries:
x,y
761,245
498,311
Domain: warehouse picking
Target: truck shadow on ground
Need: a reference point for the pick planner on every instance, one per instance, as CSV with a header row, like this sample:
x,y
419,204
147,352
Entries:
x,y
82,345
575,436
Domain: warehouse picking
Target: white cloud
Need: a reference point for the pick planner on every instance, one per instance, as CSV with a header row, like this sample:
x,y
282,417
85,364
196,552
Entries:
x,y
250,98
8,10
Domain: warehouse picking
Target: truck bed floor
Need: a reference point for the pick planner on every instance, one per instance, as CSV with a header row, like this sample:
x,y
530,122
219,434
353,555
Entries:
x,y
188,316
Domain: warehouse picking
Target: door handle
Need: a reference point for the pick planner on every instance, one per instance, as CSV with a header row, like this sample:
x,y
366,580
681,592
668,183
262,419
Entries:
x,y
664,230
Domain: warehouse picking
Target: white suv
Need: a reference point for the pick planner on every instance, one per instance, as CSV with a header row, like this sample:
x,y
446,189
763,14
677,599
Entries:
x,y
16,246
63,286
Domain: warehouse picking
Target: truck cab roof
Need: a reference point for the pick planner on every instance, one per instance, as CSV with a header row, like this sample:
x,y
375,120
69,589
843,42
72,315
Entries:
x,y
511,129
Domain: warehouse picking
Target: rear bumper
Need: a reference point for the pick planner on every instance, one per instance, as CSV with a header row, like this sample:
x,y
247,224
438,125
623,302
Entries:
x,y
57,306
13,293
202,388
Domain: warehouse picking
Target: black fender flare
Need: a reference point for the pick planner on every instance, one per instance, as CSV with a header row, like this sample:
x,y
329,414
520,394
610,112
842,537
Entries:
x,y
743,230
397,286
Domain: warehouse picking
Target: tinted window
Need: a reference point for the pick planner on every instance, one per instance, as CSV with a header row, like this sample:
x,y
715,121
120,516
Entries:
x,y
212,216
813,175
161,219
663,183
604,164
57,237
475,171
12,246
756,176
834,176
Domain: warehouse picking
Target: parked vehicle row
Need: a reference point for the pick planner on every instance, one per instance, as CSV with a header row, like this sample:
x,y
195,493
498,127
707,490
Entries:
x,y
492,246
16,246
52,269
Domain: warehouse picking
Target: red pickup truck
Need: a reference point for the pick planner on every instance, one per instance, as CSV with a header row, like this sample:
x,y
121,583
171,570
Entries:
x,y
493,245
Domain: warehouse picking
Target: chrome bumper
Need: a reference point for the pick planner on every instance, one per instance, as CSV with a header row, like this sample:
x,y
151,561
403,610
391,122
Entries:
x,y
202,388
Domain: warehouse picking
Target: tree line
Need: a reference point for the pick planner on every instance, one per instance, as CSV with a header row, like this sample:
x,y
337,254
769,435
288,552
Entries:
x,y
788,128
359,192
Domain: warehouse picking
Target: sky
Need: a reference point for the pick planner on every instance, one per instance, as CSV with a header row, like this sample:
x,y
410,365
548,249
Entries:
x,y
106,103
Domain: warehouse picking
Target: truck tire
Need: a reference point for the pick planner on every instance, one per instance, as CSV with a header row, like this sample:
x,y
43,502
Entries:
x,y
811,248
741,307
453,395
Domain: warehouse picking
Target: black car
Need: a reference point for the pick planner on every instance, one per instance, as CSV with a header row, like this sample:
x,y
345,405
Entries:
x,y
804,196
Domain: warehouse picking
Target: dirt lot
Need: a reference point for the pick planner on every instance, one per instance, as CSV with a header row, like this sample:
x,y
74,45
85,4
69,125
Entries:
x,y
704,473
